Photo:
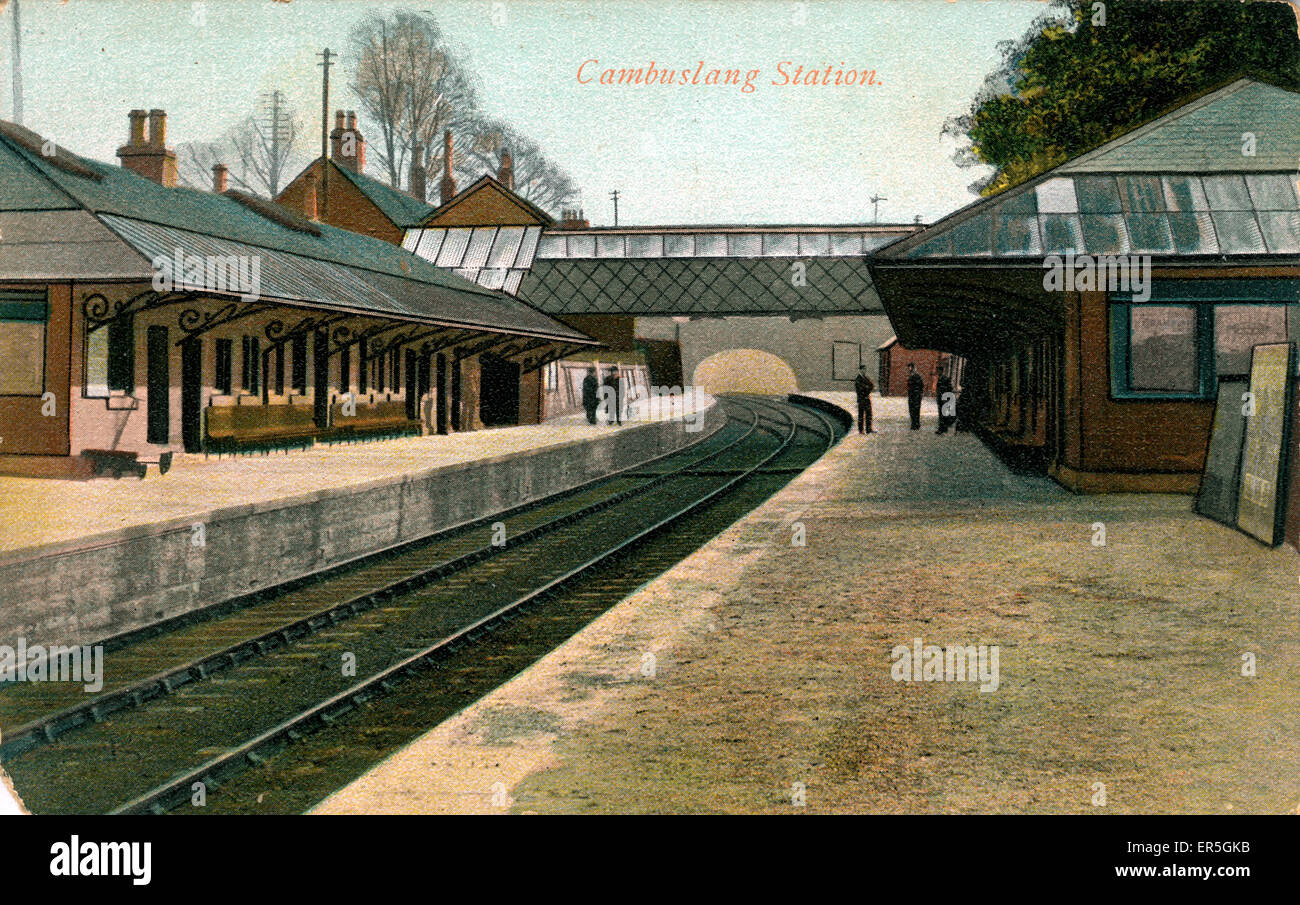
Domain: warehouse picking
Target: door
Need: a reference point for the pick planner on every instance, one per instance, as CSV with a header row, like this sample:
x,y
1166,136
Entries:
x,y
499,392
441,377
158,386
192,395
321,377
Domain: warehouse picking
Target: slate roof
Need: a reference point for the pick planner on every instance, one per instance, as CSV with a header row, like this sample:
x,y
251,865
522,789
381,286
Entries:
x,y
404,210
144,214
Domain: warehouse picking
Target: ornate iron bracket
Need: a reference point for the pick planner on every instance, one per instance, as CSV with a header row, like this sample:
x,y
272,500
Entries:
x,y
278,334
548,357
99,311
194,322
528,347
480,347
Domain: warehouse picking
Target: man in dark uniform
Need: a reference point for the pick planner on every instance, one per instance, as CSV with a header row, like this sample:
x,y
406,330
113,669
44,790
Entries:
x,y
590,394
915,392
863,386
615,414
947,400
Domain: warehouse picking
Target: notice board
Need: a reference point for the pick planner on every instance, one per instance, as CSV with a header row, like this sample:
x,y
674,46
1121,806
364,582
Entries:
x,y
1217,498
1262,491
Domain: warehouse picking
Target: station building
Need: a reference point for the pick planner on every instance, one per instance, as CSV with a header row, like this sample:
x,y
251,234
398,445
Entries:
x,y
487,234
1108,383
139,318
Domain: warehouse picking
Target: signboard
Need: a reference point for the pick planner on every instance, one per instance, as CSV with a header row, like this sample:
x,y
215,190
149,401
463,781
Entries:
x,y
1217,498
1261,495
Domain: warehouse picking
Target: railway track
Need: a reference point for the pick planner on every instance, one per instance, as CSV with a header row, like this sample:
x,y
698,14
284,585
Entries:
x,y
312,684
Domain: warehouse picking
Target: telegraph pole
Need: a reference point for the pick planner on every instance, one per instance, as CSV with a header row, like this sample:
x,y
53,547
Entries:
x,y
18,68
326,62
875,207
614,194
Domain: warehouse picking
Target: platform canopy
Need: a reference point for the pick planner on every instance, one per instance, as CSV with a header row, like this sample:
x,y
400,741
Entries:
x,y
704,271
1213,183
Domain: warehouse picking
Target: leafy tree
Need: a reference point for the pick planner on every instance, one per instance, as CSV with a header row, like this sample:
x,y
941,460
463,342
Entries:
x,y
1086,72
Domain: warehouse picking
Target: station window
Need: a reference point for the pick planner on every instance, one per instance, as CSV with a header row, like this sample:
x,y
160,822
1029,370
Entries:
x,y
345,369
1179,347
251,373
300,364
121,353
22,342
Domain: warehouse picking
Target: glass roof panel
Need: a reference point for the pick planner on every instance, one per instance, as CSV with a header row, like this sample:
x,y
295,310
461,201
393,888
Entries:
x,y
492,277
744,245
1193,233
609,246
1023,205
645,246
582,246
528,247
1226,192
1097,194
938,247
815,244
506,246
1238,231
710,245
846,244
1272,191
1104,234
974,237
1141,193
551,246
781,244
677,245
453,247
513,279
479,246
1018,236
430,243
1281,230
1061,233
1149,233
1056,196
1184,193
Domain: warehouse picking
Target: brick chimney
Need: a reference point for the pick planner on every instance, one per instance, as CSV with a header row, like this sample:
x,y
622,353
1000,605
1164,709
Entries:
x,y
219,174
417,186
347,147
506,172
571,218
151,158
447,188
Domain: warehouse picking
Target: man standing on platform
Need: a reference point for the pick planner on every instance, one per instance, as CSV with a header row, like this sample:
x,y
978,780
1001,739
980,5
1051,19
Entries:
x,y
863,386
915,392
590,394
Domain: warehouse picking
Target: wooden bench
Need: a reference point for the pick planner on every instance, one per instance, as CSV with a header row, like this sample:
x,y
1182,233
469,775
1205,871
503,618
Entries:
x,y
371,421
235,428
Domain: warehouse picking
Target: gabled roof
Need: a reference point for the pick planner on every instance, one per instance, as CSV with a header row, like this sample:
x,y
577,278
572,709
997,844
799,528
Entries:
x,y
402,209
487,203
1177,186
1205,136
308,266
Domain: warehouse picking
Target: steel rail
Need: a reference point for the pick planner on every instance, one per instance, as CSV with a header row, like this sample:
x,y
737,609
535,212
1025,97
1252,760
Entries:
x,y
162,796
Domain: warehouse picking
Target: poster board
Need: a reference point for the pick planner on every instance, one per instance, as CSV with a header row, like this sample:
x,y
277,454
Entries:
x,y
1221,480
1262,491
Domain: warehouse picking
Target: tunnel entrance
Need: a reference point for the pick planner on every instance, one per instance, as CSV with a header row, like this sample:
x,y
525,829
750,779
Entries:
x,y
498,391
745,371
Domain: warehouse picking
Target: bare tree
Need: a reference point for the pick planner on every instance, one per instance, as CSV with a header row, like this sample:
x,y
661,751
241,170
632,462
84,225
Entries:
x,y
410,86
257,150
537,177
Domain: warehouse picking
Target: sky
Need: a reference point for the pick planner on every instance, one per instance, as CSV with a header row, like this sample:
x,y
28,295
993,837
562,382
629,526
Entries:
x,y
781,153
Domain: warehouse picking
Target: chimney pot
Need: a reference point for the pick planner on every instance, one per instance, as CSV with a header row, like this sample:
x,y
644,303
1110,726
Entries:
x,y
157,128
506,172
418,182
219,176
352,119
136,137
447,188
338,120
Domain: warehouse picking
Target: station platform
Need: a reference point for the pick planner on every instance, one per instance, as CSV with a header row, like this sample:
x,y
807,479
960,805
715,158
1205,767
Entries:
x,y
1120,683
82,561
